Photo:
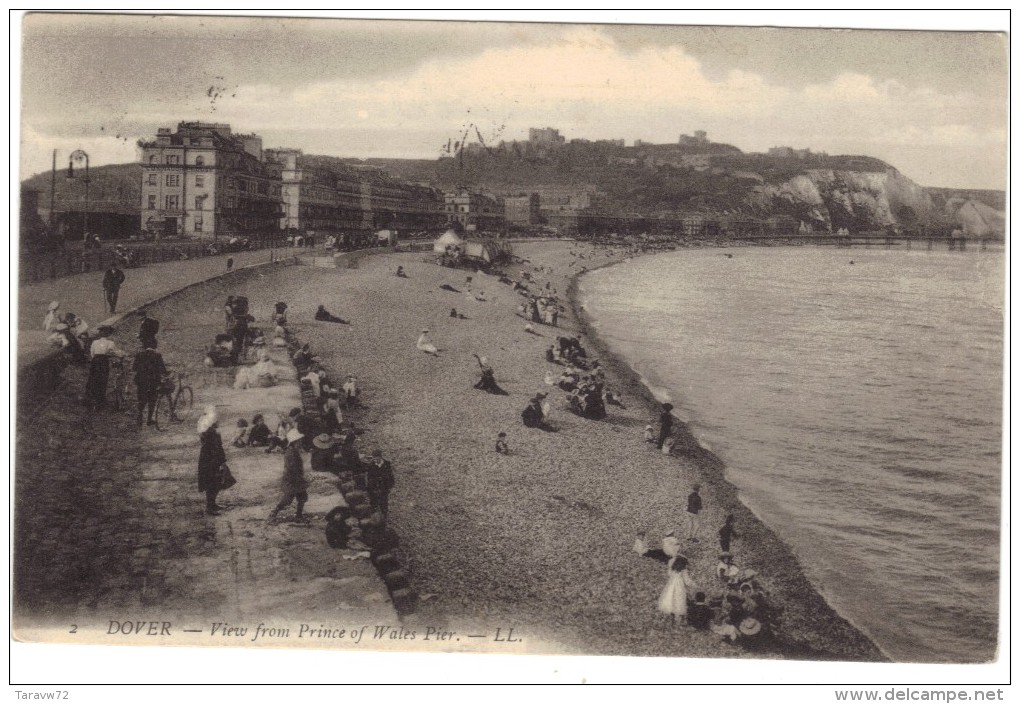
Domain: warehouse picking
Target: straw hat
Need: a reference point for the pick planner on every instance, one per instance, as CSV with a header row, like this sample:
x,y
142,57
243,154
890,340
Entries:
x,y
323,441
749,626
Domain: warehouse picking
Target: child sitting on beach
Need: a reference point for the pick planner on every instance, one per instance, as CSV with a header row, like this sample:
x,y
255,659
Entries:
x,y
259,434
649,434
501,446
725,569
241,436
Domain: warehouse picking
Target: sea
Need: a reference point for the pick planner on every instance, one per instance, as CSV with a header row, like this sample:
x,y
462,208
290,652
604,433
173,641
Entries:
x,y
855,397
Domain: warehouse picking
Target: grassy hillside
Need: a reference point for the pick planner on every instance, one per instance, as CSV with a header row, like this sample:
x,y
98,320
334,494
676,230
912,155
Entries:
x,y
113,188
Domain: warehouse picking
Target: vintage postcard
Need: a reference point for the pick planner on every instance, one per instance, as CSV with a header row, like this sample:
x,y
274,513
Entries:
x,y
535,338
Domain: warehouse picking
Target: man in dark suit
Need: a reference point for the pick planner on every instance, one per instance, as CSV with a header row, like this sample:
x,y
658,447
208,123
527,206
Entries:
x,y
149,373
380,481
148,331
112,280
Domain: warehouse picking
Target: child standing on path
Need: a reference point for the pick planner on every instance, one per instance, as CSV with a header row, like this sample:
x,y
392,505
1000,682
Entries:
x,y
293,484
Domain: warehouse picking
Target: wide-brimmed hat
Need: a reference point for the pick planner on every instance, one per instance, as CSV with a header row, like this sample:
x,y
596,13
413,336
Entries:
x,y
207,420
293,435
750,626
54,305
323,441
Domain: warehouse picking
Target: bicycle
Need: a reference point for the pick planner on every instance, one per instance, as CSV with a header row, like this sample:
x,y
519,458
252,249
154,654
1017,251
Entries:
x,y
121,369
174,403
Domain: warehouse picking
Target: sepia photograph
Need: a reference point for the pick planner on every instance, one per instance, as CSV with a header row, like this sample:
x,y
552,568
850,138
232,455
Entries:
x,y
570,339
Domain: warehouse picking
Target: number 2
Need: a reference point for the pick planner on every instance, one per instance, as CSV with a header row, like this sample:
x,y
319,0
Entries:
x,y
74,628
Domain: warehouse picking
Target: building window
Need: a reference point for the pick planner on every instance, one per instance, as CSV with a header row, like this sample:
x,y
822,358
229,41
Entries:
x,y
198,202
153,179
152,202
172,202
230,203
200,181
173,179
198,224
199,161
171,159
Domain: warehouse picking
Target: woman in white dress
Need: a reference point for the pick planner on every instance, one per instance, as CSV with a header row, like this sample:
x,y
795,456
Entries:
x,y
425,345
673,600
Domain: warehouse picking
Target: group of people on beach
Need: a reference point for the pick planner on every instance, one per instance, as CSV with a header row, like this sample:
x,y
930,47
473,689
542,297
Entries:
x,y
740,611
318,431
321,435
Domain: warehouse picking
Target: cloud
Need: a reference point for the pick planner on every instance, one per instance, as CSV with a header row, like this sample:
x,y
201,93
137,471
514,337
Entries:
x,y
584,82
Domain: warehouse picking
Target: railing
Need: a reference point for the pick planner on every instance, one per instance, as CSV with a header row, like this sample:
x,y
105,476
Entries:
x,y
54,265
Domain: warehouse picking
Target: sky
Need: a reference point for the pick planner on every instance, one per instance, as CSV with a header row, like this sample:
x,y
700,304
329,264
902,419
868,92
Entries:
x,y
931,103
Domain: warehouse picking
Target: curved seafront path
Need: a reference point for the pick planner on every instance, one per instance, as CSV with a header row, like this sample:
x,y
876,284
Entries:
x,y
82,294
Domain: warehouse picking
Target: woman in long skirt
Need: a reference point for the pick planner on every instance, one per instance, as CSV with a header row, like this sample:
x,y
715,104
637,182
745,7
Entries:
x,y
210,458
99,367
673,600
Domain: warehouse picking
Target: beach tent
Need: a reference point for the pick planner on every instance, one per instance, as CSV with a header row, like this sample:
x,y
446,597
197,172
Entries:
x,y
980,220
447,239
482,250
387,237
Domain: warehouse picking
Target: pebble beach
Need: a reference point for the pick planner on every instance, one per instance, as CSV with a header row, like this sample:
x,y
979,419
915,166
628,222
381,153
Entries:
x,y
540,540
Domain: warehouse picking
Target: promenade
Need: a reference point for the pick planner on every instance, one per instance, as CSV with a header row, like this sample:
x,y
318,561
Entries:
x,y
110,523
82,294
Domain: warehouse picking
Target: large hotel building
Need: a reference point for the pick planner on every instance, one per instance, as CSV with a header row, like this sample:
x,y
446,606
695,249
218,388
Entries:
x,y
203,181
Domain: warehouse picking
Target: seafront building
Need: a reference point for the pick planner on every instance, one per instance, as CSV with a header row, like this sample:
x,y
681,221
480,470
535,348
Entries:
x,y
324,195
522,209
474,211
202,180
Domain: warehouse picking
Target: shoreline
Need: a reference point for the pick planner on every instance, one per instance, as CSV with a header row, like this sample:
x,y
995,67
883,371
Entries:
x,y
539,540
711,467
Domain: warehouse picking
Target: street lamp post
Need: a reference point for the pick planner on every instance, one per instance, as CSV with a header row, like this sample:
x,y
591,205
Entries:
x,y
80,155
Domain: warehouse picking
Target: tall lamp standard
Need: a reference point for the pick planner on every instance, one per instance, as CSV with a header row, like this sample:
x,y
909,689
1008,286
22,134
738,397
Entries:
x,y
80,155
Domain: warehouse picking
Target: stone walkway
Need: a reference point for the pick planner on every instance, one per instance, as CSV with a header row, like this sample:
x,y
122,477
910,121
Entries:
x,y
82,294
109,526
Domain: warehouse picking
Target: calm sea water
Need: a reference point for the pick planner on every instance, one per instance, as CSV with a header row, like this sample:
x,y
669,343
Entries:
x,y
857,407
